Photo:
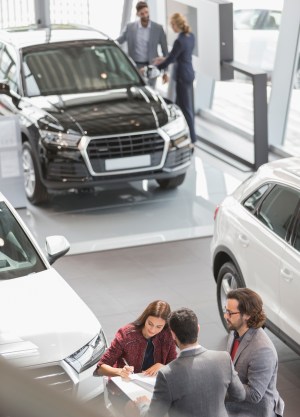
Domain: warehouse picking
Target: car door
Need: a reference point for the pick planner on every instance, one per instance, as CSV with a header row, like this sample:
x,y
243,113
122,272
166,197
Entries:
x,y
260,251
290,286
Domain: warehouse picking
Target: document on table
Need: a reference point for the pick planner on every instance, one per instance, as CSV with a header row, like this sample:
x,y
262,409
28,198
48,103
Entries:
x,y
137,386
144,381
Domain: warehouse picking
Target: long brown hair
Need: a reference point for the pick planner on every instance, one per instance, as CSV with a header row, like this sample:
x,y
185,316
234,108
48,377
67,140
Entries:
x,y
157,308
181,22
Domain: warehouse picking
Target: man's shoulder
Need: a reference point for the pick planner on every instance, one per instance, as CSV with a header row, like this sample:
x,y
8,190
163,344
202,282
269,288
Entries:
x,y
156,25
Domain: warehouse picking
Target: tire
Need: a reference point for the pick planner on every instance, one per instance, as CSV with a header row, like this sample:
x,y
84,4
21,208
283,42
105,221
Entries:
x,y
35,191
228,279
169,183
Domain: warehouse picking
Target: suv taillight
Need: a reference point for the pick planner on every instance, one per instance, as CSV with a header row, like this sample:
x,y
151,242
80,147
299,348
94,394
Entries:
x,y
216,212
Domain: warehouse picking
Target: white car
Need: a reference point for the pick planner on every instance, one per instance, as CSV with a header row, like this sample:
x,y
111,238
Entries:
x,y
256,30
45,328
256,244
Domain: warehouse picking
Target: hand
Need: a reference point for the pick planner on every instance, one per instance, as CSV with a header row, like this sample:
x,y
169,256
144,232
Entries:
x,y
143,71
142,400
126,371
152,371
165,78
158,60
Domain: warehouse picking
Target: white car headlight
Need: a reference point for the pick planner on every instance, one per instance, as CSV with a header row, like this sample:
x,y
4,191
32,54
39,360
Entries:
x,y
89,354
59,139
176,127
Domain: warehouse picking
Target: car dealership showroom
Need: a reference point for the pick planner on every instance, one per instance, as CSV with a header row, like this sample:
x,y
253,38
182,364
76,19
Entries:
x,y
107,204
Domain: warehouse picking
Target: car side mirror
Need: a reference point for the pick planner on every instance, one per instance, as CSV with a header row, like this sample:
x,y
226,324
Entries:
x,y
4,89
56,247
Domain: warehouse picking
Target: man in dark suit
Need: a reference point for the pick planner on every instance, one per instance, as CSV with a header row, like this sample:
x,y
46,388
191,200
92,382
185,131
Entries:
x,y
254,356
196,383
143,37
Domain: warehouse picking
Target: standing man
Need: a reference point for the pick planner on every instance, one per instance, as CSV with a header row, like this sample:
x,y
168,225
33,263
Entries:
x,y
196,383
254,356
143,37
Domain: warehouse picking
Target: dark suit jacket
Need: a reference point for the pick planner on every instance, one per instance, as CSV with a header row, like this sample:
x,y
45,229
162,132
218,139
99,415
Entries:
x,y
256,362
157,37
195,385
181,56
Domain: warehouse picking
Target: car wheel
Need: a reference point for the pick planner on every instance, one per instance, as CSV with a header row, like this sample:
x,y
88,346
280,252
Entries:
x,y
34,189
228,279
169,183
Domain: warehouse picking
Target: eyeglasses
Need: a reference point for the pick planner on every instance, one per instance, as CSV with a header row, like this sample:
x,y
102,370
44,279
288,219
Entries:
x,y
230,313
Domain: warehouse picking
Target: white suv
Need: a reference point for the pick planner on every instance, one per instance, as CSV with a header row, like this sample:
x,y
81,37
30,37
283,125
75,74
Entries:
x,y
45,328
256,243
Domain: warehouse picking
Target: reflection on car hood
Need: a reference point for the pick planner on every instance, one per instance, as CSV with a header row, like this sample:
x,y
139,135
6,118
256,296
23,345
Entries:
x,y
42,319
111,112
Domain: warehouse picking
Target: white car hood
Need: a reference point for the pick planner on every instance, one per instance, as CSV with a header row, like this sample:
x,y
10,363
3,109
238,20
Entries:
x,y
42,319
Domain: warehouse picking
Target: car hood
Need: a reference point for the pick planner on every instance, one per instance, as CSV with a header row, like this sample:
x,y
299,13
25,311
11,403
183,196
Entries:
x,y
42,319
111,112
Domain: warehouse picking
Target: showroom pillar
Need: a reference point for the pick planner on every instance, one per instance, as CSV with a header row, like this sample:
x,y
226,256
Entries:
x,y
42,13
284,68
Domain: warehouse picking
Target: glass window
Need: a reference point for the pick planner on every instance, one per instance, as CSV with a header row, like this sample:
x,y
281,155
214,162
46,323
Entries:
x,y
297,236
278,208
71,69
247,19
17,255
252,201
8,67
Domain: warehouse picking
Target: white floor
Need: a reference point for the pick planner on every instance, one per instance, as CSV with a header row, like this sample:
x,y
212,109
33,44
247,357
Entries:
x,y
137,213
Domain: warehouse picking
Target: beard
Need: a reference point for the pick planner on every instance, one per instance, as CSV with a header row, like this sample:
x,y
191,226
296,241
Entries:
x,y
145,19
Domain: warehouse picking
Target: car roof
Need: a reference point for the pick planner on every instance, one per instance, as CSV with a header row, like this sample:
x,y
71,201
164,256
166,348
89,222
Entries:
x,y
258,4
30,36
285,170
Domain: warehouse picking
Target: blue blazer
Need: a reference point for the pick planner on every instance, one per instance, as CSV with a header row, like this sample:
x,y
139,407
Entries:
x,y
181,56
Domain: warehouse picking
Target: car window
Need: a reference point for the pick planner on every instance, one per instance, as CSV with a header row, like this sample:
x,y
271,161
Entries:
x,y
257,19
278,208
17,255
75,69
252,201
272,20
247,19
297,236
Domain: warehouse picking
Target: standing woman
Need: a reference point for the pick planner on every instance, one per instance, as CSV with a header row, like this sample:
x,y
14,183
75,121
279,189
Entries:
x,y
183,72
144,345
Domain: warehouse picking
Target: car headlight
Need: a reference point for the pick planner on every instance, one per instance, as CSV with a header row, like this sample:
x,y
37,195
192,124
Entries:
x,y
88,355
177,130
59,139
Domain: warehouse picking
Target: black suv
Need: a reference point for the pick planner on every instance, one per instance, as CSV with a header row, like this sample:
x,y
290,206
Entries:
x,y
86,115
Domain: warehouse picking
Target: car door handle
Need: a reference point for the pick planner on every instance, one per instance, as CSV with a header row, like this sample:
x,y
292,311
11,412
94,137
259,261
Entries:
x,y
243,240
286,274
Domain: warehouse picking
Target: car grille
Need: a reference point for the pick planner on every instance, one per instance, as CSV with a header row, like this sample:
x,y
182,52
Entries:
x,y
100,149
54,376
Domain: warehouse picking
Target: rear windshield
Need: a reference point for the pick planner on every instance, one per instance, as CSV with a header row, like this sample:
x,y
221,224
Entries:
x,y
18,256
77,68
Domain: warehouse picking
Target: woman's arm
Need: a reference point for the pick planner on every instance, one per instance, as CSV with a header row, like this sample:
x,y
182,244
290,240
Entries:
x,y
107,370
173,55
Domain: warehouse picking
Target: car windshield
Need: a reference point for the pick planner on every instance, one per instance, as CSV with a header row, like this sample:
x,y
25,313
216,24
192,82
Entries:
x,y
17,255
81,68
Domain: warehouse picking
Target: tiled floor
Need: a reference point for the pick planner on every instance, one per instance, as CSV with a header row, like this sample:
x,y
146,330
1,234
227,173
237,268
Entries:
x,y
118,284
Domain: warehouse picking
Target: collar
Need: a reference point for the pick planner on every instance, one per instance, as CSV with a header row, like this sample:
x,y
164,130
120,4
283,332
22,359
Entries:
x,y
191,348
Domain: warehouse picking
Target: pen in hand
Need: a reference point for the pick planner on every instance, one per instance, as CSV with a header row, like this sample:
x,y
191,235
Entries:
x,y
129,368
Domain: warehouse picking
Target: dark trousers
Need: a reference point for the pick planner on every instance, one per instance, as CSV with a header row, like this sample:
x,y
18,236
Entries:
x,y
185,100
